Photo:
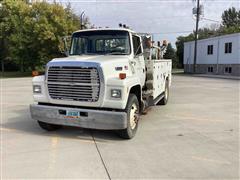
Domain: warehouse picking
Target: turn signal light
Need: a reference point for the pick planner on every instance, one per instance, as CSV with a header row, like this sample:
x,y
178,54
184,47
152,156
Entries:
x,y
35,73
122,76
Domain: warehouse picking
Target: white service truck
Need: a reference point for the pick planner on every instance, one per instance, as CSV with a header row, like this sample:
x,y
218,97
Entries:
x,y
109,77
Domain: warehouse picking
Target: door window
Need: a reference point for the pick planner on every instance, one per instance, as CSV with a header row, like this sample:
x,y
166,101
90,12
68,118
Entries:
x,y
137,49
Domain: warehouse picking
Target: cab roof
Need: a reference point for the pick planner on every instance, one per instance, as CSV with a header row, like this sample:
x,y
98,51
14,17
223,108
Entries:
x,y
109,29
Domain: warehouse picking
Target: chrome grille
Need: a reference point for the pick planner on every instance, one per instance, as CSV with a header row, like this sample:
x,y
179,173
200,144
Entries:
x,y
73,83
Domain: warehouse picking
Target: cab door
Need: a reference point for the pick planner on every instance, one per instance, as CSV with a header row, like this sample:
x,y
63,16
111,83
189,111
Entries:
x,y
138,58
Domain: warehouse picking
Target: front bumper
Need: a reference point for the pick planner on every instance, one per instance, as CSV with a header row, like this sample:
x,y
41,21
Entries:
x,y
93,119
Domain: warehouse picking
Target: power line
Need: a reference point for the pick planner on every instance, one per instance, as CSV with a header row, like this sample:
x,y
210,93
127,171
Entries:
x,y
162,17
177,32
210,20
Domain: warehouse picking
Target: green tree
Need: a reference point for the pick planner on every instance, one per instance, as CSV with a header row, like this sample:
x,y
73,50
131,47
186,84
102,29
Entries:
x,y
180,47
231,18
171,54
31,35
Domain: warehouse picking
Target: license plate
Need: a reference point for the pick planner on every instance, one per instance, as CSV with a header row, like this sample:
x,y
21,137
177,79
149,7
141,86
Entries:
x,y
72,114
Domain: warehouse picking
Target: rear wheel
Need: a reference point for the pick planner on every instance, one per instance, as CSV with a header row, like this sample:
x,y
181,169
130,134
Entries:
x,y
132,110
164,100
49,127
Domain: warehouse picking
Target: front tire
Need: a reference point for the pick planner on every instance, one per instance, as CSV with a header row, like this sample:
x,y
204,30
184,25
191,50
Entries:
x,y
49,127
132,110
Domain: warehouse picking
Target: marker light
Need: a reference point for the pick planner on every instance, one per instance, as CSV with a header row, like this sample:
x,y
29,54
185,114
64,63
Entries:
x,y
122,76
35,73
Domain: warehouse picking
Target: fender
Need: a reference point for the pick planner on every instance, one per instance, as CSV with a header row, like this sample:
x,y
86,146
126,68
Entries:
x,y
41,97
124,85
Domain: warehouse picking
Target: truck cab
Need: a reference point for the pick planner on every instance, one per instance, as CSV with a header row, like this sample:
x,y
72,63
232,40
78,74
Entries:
x,y
107,80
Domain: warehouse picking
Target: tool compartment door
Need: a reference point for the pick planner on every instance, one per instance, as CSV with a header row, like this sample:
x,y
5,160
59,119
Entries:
x,y
161,70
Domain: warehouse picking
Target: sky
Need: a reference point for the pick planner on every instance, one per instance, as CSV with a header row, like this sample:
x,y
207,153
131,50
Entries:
x,y
166,19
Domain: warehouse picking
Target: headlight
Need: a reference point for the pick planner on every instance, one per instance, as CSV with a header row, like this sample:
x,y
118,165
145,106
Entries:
x,y
37,89
116,93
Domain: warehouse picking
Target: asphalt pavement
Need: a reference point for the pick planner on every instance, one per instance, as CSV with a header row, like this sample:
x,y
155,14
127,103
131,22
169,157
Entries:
x,y
195,136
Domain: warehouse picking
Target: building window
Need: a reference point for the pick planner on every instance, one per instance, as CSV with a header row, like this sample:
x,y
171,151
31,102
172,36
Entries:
x,y
228,48
228,70
210,49
210,69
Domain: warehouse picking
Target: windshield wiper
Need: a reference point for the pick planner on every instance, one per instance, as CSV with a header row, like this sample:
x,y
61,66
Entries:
x,y
83,53
115,53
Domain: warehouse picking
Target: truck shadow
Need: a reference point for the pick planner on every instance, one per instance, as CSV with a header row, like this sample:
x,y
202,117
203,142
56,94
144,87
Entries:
x,y
23,123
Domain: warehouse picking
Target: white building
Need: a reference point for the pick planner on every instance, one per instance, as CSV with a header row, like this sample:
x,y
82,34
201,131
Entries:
x,y
217,55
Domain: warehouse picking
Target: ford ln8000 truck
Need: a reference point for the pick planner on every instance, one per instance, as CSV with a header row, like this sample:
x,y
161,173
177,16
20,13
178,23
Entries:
x,y
108,79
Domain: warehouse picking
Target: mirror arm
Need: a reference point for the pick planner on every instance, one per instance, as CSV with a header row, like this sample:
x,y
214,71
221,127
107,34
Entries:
x,y
66,51
137,55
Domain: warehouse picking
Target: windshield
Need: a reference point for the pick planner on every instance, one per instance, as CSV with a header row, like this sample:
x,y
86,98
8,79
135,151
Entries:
x,y
100,42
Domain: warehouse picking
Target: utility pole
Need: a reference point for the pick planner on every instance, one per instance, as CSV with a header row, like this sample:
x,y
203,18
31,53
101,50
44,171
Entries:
x,y
196,37
2,43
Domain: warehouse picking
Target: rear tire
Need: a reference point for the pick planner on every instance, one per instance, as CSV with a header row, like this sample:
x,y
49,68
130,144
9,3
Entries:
x,y
49,127
133,111
164,100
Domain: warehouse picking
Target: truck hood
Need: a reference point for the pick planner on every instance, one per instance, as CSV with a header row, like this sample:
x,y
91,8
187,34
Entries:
x,y
101,59
109,63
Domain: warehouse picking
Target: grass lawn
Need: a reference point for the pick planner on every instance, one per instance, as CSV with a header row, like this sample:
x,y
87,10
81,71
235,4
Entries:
x,y
177,71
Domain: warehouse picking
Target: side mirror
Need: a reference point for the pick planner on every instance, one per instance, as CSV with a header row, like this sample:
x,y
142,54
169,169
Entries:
x,y
66,53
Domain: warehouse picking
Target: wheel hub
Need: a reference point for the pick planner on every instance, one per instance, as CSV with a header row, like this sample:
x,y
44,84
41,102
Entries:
x,y
133,116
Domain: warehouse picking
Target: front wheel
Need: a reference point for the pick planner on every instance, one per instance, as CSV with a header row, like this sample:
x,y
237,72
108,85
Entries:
x,y
132,110
49,127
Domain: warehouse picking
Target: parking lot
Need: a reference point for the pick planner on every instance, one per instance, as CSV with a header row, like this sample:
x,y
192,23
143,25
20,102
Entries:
x,y
196,136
